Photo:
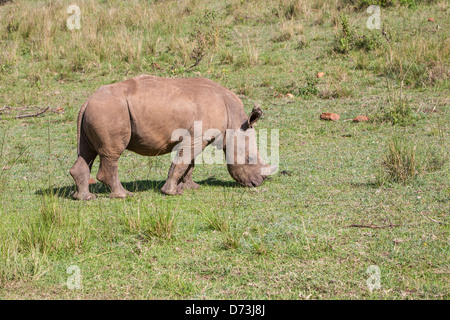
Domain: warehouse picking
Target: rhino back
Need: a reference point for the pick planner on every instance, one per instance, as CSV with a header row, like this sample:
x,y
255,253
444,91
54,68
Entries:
x,y
159,106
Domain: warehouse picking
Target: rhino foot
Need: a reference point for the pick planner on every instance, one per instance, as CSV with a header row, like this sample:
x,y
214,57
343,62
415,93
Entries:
x,y
191,185
83,196
120,195
177,191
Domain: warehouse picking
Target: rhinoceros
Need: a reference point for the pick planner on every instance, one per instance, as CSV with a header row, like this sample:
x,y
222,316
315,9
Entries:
x,y
141,114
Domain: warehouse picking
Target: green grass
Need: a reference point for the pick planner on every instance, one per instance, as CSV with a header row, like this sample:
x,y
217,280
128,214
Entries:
x,y
291,238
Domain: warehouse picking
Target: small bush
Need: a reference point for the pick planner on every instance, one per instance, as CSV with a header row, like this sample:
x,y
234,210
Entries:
x,y
310,88
397,112
348,40
305,89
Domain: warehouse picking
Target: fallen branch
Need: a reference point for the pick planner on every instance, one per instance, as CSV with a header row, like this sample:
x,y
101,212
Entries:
x,y
371,226
32,115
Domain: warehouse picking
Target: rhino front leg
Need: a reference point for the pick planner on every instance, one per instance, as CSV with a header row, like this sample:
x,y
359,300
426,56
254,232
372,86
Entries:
x,y
186,182
108,174
176,173
180,172
179,179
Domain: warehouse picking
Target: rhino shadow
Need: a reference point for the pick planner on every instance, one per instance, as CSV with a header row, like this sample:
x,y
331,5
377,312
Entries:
x,y
132,186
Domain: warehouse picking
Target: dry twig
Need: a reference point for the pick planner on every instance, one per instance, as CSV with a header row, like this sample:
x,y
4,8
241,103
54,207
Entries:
x,y
431,219
33,114
371,226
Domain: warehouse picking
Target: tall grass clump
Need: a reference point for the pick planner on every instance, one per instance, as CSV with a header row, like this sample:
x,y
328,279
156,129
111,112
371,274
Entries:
x,y
250,54
18,265
49,232
111,35
418,61
54,230
156,220
401,163
225,220
162,225
287,30
415,54
232,237
216,220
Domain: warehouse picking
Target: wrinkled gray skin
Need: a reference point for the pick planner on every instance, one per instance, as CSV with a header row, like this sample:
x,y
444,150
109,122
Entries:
x,y
140,115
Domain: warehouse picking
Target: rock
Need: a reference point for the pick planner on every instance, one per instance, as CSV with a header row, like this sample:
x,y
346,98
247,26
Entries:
x,y
361,119
330,116
431,19
289,95
320,74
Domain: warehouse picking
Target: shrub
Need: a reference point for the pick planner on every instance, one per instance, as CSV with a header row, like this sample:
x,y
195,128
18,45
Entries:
x,y
348,40
397,112
310,88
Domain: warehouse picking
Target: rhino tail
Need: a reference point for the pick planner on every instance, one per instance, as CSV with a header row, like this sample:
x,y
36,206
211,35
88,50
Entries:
x,y
79,121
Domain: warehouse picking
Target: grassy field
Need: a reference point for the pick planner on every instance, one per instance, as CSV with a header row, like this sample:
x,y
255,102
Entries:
x,y
347,195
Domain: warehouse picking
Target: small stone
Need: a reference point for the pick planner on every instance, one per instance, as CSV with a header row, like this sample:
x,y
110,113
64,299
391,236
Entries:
x,y
289,95
361,119
320,74
431,19
330,116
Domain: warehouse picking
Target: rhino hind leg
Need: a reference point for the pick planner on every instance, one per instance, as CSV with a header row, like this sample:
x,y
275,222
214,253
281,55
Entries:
x,y
109,175
81,171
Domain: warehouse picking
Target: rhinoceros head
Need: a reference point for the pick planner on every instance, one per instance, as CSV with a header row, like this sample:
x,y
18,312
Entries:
x,y
244,162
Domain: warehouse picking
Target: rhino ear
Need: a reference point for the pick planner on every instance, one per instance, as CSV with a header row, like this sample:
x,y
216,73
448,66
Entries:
x,y
252,118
